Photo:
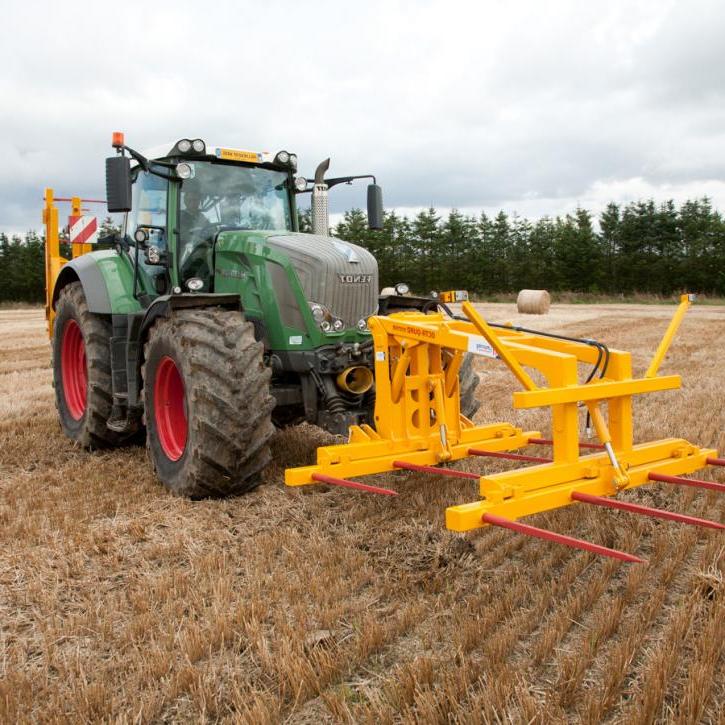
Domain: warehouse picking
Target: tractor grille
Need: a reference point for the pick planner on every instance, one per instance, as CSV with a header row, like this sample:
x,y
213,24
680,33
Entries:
x,y
337,274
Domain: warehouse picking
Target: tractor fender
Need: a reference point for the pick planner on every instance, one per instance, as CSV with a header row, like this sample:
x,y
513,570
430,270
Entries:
x,y
85,269
165,305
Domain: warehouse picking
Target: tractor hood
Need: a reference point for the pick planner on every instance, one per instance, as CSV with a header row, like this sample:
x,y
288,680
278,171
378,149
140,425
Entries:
x,y
337,274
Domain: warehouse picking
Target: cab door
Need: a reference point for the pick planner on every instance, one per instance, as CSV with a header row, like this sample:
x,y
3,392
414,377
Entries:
x,y
149,216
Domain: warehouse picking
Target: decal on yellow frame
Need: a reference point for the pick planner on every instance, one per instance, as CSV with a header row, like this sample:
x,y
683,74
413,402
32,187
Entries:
x,y
251,157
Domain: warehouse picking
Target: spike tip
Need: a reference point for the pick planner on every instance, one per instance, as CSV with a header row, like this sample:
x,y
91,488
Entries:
x,y
560,538
635,508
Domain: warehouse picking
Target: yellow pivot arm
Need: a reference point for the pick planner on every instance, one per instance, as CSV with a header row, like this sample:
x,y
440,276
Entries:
x,y
492,338
664,346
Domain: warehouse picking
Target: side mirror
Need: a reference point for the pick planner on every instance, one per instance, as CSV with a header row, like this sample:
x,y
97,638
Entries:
x,y
375,207
118,183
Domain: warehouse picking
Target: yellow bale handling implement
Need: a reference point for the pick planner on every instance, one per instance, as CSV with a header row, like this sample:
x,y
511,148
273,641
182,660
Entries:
x,y
419,427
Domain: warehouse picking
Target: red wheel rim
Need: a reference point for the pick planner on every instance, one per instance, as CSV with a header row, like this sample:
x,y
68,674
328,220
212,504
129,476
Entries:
x,y
73,369
169,410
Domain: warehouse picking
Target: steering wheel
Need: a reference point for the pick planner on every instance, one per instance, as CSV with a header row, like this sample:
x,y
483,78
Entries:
x,y
198,263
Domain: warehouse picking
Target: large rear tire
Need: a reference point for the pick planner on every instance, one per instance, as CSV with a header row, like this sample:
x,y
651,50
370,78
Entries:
x,y
82,370
207,403
468,382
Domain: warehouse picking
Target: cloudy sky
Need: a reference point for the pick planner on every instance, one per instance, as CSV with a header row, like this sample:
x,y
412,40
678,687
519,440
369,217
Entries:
x,y
532,107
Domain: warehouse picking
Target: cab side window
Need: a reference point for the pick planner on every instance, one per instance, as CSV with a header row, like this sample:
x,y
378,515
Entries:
x,y
150,199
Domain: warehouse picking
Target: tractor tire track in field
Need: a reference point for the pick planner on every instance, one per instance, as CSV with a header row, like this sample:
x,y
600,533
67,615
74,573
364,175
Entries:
x,y
120,601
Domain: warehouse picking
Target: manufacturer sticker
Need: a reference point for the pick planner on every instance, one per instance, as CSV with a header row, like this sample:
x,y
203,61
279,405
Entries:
x,y
480,346
415,331
380,356
236,155
295,340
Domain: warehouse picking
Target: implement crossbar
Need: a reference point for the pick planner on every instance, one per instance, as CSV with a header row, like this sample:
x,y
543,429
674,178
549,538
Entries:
x,y
715,461
644,510
322,478
84,201
452,472
695,482
559,538
508,456
549,442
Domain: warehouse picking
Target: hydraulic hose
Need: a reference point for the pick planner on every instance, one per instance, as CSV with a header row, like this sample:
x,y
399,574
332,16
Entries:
x,y
602,349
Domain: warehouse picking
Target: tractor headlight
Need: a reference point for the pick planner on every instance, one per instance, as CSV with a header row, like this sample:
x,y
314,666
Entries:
x,y
300,183
319,313
401,289
184,145
282,157
337,325
362,325
184,171
325,326
195,284
293,160
198,145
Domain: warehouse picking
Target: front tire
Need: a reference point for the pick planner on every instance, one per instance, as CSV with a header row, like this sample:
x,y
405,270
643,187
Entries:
x,y
207,403
82,370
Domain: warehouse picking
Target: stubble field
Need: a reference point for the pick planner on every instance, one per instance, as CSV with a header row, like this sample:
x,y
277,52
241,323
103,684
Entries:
x,y
121,602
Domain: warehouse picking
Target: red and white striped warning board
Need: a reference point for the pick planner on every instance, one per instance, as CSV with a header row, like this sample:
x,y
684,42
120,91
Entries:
x,y
83,229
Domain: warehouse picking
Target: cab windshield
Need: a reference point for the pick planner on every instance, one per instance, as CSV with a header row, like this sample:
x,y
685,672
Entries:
x,y
222,197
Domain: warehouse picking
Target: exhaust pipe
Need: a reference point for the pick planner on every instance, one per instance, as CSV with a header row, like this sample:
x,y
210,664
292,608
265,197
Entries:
x,y
320,214
356,379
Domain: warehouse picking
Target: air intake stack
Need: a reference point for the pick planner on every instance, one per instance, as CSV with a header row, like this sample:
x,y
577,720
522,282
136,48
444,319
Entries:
x,y
320,212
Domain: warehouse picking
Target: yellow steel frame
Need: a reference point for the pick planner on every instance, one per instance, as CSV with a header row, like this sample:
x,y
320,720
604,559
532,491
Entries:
x,y
53,258
418,418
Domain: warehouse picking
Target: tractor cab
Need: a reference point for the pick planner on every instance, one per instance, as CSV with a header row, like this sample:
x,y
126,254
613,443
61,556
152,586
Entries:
x,y
183,195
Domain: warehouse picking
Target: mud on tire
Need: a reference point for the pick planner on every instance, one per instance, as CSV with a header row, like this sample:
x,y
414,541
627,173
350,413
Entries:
x,y
226,403
83,389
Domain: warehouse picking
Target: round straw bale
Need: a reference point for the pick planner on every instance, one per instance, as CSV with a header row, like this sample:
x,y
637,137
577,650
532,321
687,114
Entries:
x,y
533,302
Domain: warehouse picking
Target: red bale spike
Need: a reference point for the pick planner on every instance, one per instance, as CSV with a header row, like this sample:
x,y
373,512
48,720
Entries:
x,y
434,469
715,461
322,478
560,538
549,442
645,510
696,482
508,456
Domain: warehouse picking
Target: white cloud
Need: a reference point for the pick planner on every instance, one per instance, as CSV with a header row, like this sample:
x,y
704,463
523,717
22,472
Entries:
x,y
479,105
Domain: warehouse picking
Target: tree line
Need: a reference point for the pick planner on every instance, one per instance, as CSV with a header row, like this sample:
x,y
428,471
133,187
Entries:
x,y
639,247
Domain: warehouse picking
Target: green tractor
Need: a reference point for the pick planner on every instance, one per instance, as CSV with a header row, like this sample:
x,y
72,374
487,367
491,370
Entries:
x,y
210,319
